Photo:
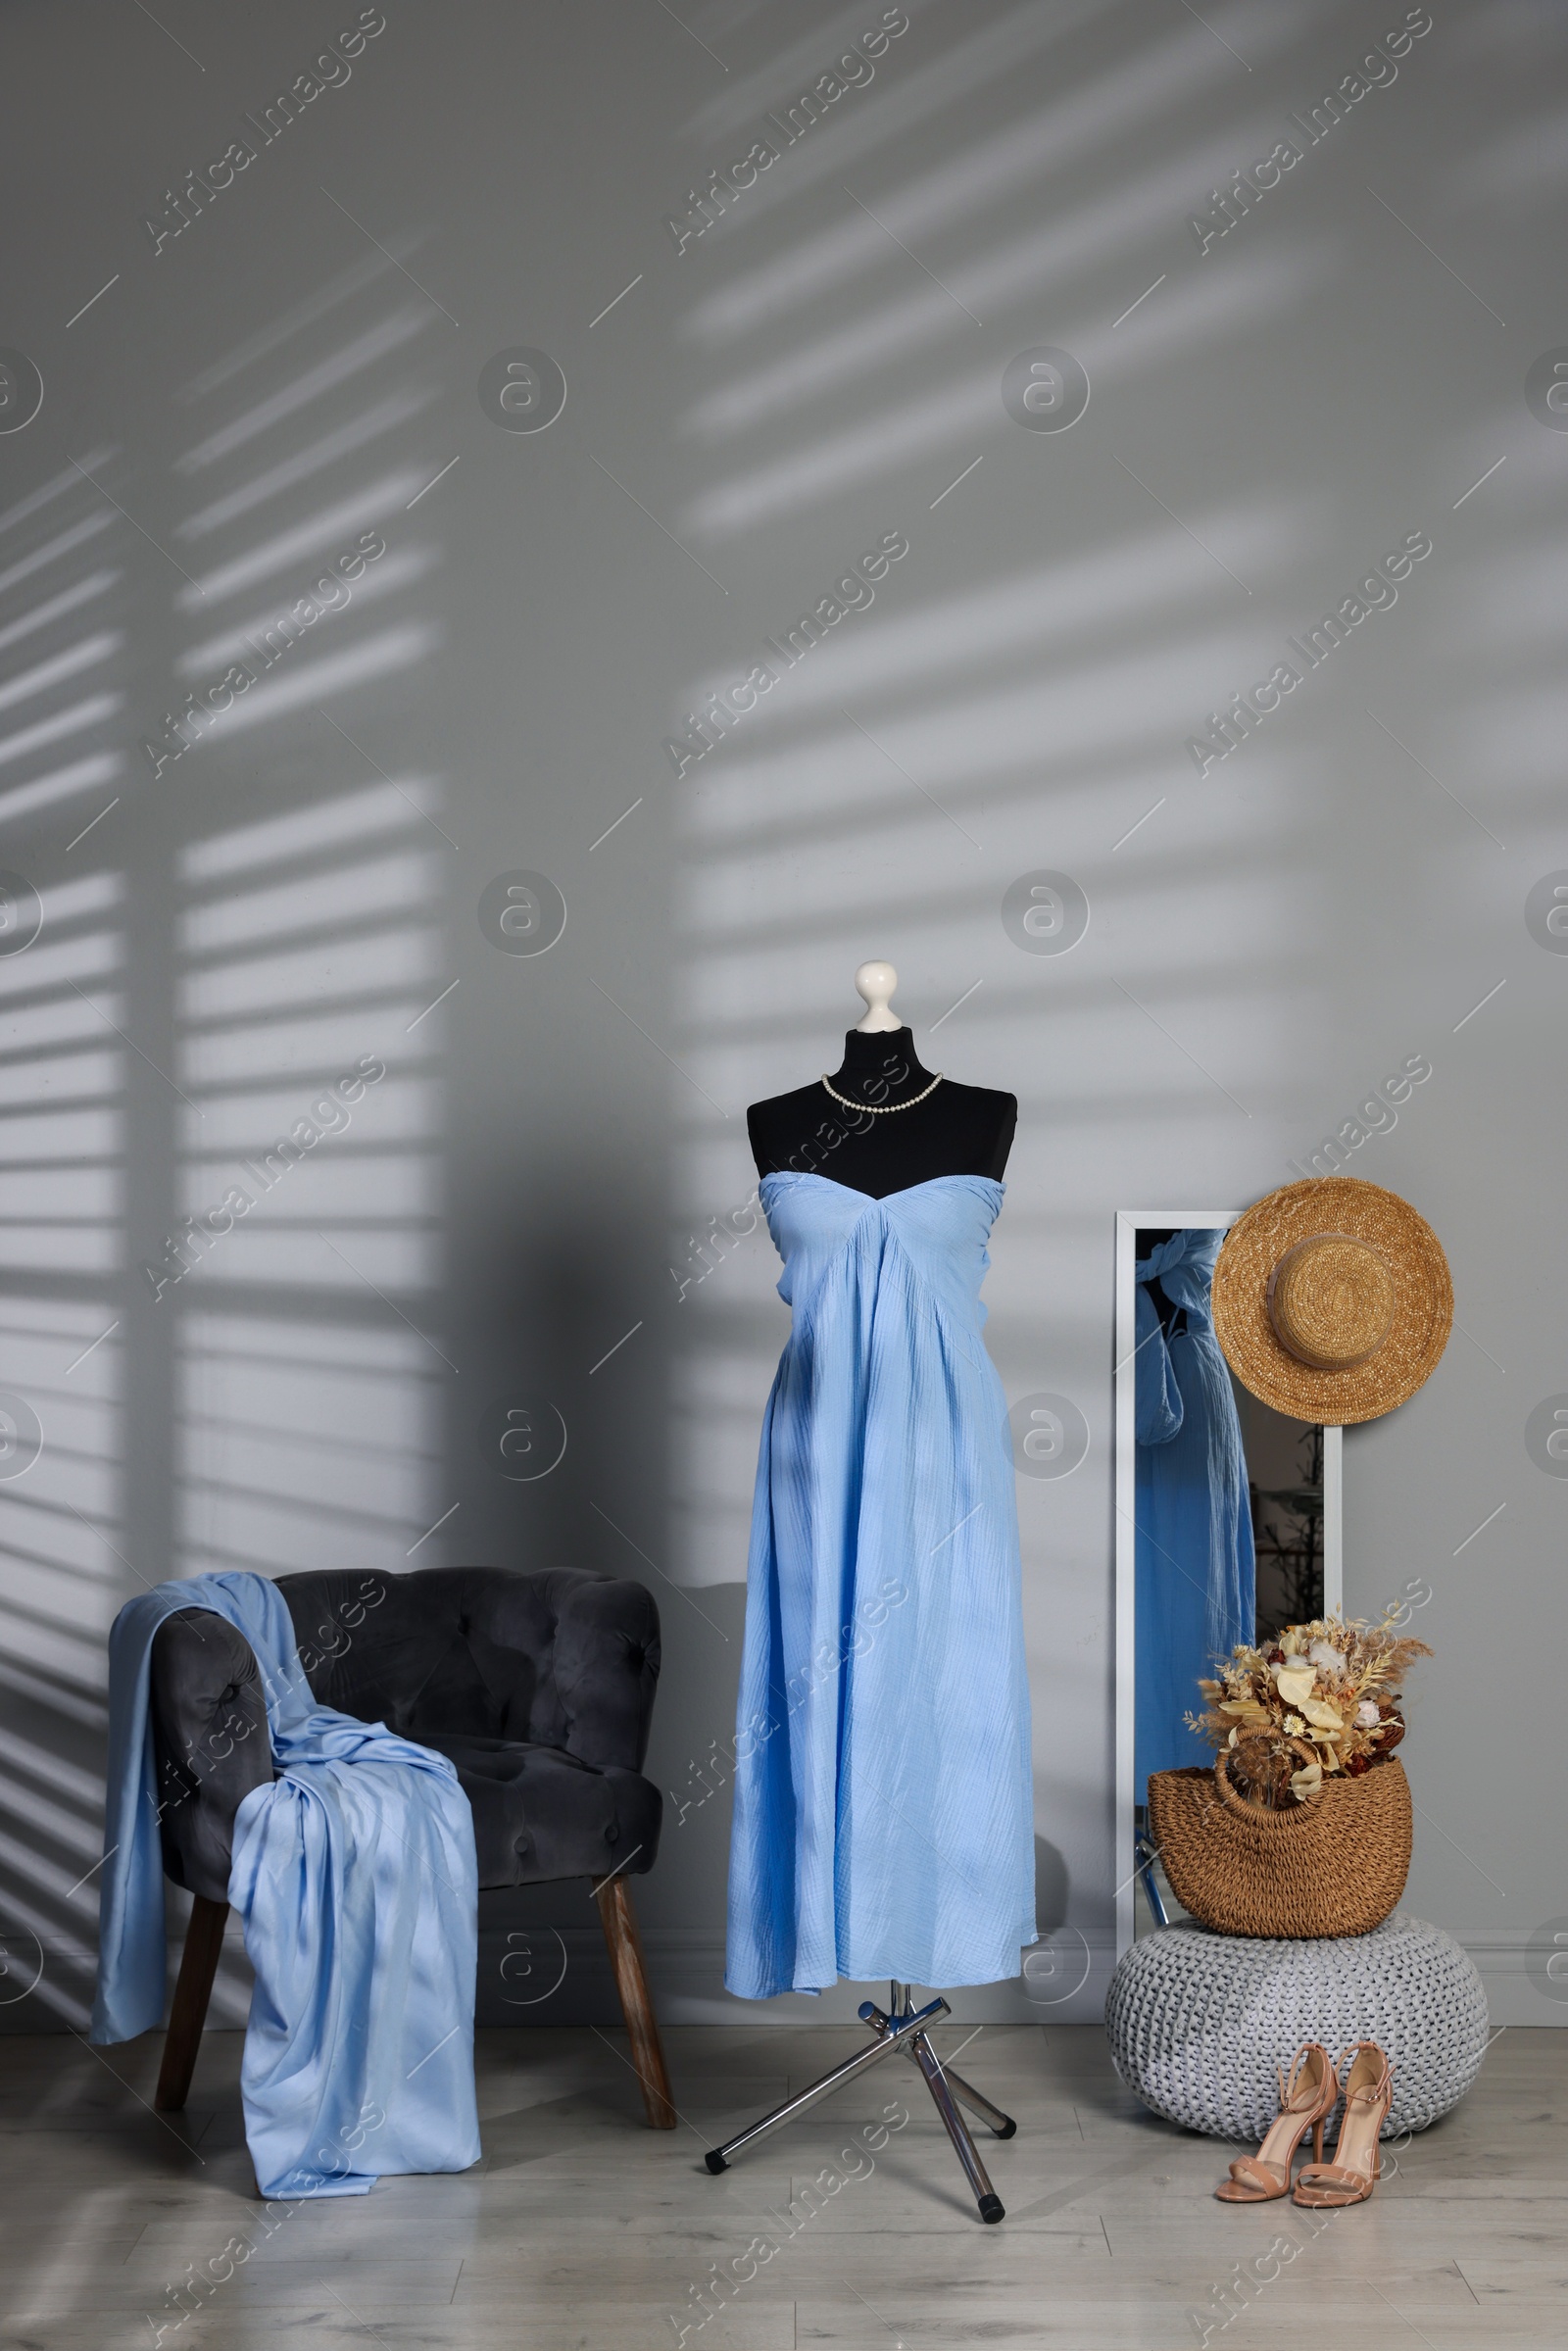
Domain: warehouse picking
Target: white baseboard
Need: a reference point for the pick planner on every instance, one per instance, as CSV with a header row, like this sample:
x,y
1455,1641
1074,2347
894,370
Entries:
x,y
548,1976
1514,1981
686,1970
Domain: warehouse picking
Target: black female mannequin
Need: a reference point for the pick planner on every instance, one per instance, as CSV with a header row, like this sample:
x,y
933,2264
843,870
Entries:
x,y
878,1148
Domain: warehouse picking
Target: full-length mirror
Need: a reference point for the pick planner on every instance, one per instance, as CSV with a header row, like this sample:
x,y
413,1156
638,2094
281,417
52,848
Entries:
x,y
1228,1520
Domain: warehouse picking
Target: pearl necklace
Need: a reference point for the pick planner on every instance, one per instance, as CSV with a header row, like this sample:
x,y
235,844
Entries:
x,y
881,1110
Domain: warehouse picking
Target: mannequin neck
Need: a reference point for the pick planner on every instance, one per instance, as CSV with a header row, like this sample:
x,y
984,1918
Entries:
x,y
881,1067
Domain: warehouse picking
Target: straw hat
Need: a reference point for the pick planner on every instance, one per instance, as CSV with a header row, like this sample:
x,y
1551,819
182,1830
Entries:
x,y
1331,1300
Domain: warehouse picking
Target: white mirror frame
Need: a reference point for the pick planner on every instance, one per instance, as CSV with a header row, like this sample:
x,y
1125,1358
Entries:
x,y
1129,1223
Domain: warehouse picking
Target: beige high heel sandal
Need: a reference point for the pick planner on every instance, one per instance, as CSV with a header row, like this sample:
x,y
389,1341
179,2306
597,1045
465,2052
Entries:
x,y
1306,2101
1357,2157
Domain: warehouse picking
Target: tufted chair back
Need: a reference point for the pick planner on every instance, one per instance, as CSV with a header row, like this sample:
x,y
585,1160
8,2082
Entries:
x,y
561,1659
539,1687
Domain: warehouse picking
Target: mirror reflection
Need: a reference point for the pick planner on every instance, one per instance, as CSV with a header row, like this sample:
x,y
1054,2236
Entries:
x,y
1228,1507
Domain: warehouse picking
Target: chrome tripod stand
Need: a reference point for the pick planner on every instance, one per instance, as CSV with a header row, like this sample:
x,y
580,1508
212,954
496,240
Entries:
x,y
902,2028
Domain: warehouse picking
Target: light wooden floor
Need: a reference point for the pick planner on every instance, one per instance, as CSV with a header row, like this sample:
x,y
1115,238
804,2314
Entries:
x,y
582,2228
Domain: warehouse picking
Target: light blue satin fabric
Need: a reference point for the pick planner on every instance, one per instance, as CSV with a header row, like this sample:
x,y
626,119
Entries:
x,y
884,1811
1195,1574
354,1874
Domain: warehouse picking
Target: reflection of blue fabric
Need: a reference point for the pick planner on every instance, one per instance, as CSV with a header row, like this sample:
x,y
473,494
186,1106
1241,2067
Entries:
x,y
883,1802
1195,1577
354,1873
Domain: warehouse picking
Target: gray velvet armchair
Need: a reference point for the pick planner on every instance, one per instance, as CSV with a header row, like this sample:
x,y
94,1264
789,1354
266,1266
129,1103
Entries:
x,y
539,1688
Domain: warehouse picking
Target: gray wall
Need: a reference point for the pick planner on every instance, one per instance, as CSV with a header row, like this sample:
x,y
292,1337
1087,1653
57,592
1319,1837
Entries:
x,y
1268,938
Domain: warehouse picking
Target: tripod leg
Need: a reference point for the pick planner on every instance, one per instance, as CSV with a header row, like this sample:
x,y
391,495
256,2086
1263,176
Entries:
x,y
717,2158
991,2116
985,2195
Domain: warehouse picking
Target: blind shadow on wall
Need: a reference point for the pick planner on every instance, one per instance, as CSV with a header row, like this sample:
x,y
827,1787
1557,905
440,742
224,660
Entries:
x,y
221,1094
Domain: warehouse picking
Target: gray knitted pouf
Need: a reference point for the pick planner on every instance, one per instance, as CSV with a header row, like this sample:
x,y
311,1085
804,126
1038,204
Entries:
x,y
1198,2021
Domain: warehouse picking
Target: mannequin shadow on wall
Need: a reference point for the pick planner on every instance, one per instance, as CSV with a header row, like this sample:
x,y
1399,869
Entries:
x,y
1051,1886
557,1455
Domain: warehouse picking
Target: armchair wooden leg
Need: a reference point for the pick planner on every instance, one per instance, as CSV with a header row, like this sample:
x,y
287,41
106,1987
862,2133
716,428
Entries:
x,y
620,1922
204,1942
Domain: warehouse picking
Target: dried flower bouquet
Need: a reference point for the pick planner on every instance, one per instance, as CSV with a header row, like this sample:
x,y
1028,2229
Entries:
x,y
1324,1697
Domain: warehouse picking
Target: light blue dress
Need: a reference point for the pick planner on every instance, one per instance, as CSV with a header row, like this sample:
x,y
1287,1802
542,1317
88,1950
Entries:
x,y
1196,1582
883,1821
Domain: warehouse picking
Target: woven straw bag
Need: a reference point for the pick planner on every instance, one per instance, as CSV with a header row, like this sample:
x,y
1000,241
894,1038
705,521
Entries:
x,y
1333,1865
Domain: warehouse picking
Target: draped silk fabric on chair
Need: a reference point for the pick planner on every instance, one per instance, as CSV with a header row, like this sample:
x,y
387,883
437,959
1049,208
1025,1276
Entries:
x,y
354,1874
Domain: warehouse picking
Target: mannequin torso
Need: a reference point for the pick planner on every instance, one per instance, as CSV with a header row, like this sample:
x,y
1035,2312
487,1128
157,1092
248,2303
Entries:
x,y
957,1130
